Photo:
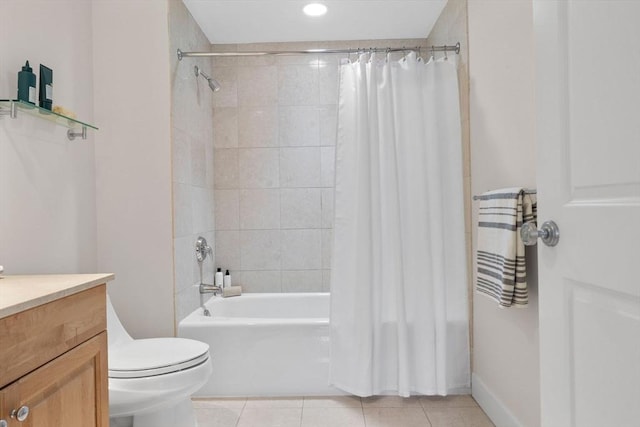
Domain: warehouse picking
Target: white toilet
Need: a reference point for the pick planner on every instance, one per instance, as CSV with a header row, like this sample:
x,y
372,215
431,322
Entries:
x,y
151,380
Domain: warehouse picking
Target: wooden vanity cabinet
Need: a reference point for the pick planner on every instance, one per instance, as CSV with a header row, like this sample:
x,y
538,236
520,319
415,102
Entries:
x,y
53,360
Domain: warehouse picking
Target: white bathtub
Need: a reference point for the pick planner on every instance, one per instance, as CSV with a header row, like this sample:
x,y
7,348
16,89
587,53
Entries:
x,y
265,344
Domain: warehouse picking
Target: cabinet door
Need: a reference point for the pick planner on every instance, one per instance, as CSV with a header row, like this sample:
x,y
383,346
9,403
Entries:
x,y
70,391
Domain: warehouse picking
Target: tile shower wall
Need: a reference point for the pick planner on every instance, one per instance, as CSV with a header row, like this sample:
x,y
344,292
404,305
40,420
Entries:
x,y
274,126
192,157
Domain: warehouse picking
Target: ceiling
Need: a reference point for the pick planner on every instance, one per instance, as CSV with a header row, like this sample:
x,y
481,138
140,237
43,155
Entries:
x,y
260,21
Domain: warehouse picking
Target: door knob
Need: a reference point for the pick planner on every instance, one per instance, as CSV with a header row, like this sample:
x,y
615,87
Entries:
x,y
549,233
21,413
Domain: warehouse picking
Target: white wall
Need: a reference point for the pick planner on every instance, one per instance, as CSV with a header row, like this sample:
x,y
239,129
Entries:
x,y
505,363
133,161
47,194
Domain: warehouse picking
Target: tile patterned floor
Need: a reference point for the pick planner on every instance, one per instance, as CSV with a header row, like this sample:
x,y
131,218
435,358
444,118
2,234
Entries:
x,y
341,411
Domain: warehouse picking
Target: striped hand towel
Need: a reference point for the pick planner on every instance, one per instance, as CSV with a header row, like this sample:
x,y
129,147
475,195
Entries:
x,y
502,275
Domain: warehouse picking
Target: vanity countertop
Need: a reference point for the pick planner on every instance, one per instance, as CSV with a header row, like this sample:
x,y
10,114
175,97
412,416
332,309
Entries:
x,y
19,293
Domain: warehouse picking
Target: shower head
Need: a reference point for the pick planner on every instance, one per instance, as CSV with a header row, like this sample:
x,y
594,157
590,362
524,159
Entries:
x,y
213,83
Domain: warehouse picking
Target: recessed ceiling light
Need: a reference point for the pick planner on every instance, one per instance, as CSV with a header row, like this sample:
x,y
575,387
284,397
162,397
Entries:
x,y
315,9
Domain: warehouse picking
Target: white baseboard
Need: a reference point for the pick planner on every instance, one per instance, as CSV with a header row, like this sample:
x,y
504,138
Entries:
x,y
495,409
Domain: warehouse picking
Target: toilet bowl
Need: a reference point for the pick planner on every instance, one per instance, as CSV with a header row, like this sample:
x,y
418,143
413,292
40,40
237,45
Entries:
x,y
151,380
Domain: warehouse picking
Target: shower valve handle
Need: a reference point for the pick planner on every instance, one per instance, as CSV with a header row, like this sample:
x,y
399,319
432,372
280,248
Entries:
x,y
202,249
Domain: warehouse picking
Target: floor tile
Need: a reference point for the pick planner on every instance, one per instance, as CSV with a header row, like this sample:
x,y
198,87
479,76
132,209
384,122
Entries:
x,y
458,417
274,402
332,417
270,417
395,417
341,411
333,402
223,402
391,402
217,417
453,401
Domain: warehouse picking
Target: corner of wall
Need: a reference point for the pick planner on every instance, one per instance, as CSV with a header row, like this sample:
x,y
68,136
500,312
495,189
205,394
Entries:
x,y
499,413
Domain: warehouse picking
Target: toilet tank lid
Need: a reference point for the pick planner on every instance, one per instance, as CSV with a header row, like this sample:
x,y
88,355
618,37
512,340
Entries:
x,y
155,353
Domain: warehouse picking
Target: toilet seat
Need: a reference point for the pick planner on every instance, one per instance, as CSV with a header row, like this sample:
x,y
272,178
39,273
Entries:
x,y
156,356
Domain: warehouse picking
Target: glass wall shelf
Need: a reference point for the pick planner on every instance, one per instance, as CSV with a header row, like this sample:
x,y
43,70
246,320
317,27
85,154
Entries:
x,y
10,107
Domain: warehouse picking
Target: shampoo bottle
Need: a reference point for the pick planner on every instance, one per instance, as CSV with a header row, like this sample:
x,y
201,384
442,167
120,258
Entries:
x,y
27,85
227,279
218,278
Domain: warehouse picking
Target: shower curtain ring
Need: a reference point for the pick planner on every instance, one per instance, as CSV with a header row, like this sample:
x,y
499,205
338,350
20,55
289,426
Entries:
x,y
445,53
433,52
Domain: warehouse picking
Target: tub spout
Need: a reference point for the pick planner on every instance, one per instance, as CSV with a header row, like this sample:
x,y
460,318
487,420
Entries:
x,y
210,289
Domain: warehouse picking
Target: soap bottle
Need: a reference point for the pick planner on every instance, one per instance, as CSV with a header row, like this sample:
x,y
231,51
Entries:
x,y
46,87
227,279
27,84
218,278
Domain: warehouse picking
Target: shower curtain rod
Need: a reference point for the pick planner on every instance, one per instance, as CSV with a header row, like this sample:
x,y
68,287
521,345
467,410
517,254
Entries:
x,y
444,48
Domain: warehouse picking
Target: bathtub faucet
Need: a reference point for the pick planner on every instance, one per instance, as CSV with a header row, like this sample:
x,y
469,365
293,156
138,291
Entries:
x,y
210,289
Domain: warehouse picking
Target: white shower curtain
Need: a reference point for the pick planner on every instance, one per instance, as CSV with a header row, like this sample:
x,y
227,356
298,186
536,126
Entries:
x,y
399,319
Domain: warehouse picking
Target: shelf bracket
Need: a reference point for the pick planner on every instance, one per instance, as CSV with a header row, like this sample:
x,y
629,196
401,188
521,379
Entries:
x,y
11,112
71,134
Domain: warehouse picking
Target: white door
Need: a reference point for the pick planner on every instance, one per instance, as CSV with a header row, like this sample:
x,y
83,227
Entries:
x,y
588,138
